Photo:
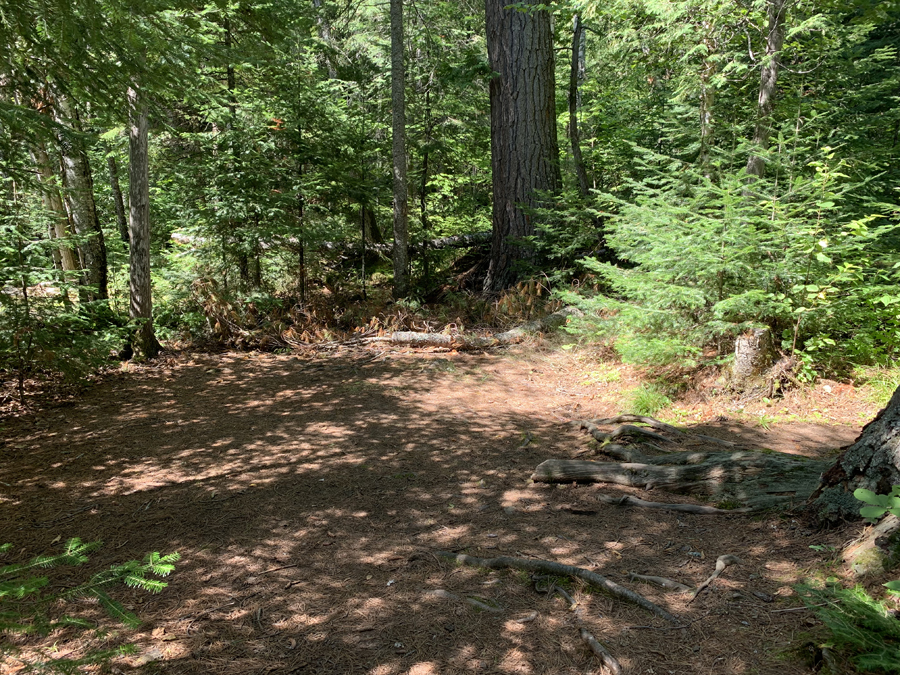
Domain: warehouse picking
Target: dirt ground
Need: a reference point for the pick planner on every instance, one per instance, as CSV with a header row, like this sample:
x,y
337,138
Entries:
x,y
307,496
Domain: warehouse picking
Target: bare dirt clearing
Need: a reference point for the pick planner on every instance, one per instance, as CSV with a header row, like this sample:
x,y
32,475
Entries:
x,y
307,499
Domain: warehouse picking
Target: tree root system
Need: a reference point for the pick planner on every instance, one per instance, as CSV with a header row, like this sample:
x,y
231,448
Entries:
x,y
559,569
739,480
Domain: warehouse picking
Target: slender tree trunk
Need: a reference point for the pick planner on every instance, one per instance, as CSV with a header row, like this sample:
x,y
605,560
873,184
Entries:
x,y
576,76
80,184
707,100
141,306
768,79
401,186
118,201
524,145
54,206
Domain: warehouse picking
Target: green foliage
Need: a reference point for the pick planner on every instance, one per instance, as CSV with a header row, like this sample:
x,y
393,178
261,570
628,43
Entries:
x,y
648,399
860,626
879,505
26,604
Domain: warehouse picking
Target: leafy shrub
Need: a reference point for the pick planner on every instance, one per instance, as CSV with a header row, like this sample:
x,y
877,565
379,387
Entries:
x,y
25,603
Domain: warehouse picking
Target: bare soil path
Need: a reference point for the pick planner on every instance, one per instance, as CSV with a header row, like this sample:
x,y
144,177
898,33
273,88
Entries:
x,y
307,496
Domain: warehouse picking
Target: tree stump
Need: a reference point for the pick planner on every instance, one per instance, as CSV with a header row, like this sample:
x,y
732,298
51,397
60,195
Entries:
x,y
754,353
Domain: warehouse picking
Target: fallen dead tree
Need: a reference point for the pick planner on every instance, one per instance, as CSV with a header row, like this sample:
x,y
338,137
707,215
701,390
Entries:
x,y
468,342
736,478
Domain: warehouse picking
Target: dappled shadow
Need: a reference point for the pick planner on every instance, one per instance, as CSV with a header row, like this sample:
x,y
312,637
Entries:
x,y
306,497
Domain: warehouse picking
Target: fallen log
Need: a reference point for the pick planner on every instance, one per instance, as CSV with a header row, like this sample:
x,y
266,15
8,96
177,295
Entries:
x,y
559,569
467,342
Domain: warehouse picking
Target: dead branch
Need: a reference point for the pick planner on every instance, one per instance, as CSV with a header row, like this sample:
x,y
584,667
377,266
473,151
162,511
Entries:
x,y
668,584
649,421
466,342
475,602
607,660
559,569
722,562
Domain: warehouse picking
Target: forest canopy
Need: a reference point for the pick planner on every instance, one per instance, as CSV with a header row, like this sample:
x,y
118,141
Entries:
x,y
704,168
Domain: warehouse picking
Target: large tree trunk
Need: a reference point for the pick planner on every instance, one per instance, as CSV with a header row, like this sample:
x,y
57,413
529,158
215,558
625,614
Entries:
x,y
872,462
524,146
80,185
401,187
768,79
141,307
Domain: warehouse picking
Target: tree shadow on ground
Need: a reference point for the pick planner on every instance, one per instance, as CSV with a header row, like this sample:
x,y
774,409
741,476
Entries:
x,y
307,497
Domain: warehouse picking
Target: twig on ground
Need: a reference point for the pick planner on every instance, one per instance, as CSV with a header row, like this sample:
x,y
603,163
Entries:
x,y
607,660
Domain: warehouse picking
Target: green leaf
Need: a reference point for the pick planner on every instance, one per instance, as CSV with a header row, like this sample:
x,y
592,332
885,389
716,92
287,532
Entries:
x,y
866,496
872,512
822,258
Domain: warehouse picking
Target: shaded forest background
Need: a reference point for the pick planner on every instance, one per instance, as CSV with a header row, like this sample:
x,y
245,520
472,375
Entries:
x,y
721,166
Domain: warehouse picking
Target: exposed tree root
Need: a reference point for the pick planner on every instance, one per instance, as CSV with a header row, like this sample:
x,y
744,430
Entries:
x,y
722,562
628,500
662,582
548,567
607,660
478,603
752,480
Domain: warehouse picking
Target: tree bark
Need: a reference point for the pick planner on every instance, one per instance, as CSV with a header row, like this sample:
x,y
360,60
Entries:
x,y
524,146
118,201
768,79
401,186
80,185
141,307
872,462
55,208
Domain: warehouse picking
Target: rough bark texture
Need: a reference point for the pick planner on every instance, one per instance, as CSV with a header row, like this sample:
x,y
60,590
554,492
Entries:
x,y
141,306
118,201
80,185
872,462
524,146
768,80
754,352
401,187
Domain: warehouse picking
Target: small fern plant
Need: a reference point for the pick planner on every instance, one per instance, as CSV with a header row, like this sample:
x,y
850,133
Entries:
x,y
25,601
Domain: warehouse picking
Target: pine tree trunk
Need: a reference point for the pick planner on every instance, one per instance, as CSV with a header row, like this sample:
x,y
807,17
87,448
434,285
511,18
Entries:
x,y
141,307
80,185
401,187
524,146
872,462
768,80
118,201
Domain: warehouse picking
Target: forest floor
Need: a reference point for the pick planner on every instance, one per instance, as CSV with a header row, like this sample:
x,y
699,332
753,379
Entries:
x,y
308,495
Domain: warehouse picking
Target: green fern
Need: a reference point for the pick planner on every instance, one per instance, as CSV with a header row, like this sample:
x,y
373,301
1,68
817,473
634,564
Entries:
x,y
24,606
860,626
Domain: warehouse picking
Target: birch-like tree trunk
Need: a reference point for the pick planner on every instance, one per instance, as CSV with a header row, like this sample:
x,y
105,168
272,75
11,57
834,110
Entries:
x,y
756,166
80,192
53,205
524,145
140,306
401,184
